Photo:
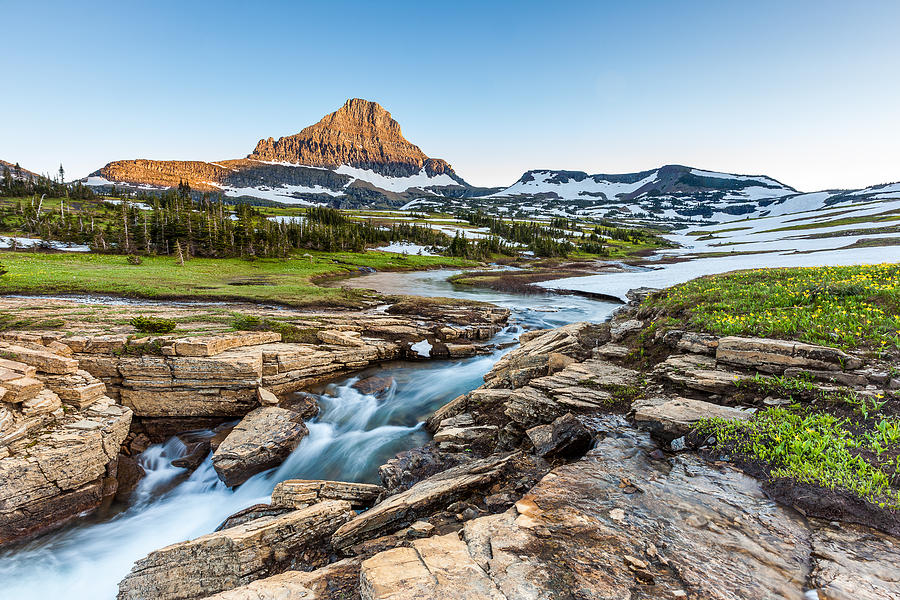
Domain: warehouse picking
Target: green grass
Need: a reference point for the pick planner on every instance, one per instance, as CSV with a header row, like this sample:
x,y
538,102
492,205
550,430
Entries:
x,y
289,282
817,448
844,307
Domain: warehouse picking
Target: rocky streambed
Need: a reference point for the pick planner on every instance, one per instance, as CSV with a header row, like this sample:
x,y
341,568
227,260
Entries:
x,y
571,472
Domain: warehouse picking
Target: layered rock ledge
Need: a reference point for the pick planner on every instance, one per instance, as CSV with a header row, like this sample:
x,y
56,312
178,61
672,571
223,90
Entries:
x,y
74,406
568,475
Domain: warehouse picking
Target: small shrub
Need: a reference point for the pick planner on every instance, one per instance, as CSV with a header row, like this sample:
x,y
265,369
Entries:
x,y
289,333
247,323
134,259
153,325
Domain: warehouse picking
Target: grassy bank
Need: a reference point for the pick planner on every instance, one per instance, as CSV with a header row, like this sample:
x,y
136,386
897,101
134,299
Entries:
x,y
289,282
845,307
830,448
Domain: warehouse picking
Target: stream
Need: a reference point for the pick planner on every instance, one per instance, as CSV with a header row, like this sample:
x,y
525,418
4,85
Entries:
x,y
350,438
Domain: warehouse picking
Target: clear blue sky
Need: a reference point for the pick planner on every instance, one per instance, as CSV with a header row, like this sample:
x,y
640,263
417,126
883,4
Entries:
x,y
807,92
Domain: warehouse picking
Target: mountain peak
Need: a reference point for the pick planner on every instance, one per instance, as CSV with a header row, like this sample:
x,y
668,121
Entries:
x,y
360,134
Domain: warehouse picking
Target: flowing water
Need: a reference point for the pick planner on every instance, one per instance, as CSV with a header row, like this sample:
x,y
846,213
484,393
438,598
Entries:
x,y
351,437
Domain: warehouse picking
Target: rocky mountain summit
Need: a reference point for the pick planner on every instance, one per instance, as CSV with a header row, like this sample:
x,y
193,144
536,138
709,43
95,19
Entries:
x,y
360,134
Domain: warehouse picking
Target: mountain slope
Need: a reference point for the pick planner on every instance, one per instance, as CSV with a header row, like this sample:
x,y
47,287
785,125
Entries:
x,y
669,180
19,173
668,195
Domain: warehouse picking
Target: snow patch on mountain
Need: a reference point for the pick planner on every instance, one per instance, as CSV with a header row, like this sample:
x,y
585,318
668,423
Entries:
x,y
396,184
97,181
542,182
285,193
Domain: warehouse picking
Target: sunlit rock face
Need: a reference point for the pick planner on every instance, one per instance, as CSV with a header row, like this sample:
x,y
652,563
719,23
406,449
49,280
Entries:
x,y
360,134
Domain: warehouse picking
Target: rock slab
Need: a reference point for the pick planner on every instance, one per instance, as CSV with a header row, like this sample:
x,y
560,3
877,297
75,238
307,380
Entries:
x,y
231,557
262,440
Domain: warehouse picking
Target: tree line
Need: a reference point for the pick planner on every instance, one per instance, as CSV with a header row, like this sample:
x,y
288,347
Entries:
x,y
173,221
19,182
540,239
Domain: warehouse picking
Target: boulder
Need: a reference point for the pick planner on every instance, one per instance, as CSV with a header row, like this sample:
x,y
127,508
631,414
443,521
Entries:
x,y
465,435
262,440
461,350
337,580
233,557
374,386
565,437
403,508
696,343
619,330
21,389
217,344
438,568
669,419
266,398
296,493
774,356
306,405
698,372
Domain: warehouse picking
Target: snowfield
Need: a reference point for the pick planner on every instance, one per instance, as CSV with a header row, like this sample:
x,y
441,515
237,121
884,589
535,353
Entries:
x,y
97,181
752,243
396,184
283,194
618,284
572,189
405,248
23,242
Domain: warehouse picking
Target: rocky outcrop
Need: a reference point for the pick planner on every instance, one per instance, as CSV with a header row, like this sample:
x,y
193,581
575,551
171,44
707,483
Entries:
x,y
566,437
58,451
504,503
261,441
67,401
619,523
236,556
220,375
